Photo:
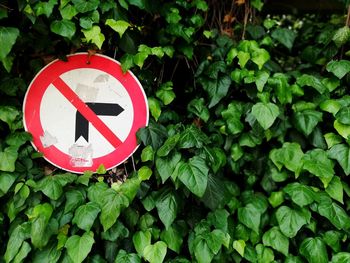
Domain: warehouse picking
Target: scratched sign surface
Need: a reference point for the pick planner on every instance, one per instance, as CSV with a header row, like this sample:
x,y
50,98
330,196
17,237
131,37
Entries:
x,y
84,115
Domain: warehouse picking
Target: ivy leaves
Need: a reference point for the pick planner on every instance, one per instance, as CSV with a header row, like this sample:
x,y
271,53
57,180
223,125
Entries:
x,y
194,174
78,247
265,114
8,36
245,158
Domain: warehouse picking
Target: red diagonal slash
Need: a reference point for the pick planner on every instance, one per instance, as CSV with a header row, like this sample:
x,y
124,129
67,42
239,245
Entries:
x,y
87,112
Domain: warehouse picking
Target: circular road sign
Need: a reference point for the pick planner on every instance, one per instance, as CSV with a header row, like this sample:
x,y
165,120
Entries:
x,y
84,115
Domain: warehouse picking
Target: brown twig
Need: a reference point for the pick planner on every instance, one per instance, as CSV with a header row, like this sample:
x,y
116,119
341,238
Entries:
x,y
347,23
6,7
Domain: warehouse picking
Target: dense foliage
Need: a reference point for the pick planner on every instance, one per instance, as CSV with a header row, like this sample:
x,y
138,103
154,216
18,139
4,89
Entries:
x,y
246,155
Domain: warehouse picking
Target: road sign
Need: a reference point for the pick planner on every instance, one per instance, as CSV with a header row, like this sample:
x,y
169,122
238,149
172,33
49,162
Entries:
x,y
82,115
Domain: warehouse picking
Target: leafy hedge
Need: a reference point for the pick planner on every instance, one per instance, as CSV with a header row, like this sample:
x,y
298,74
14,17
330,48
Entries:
x,y
246,155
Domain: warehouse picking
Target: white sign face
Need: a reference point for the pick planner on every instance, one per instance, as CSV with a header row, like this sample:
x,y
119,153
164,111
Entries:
x,y
84,115
58,115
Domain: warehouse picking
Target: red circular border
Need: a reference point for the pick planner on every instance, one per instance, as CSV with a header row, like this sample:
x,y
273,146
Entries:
x,y
35,92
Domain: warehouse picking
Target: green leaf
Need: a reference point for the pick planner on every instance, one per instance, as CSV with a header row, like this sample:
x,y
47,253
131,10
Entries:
x,y
139,3
173,238
290,156
147,154
166,166
265,114
131,186
217,195
343,115
165,93
68,12
314,250
334,213
331,140
250,216
8,159
301,194
96,192
280,84
264,254
48,254
119,26
85,178
290,220
216,239
8,37
85,215
197,107
167,207
124,257
217,158
230,55
341,36
342,129
293,259
18,235
139,58
276,199
113,203
117,231
94,36
159,52
84,6
78,247
243,58
312,81
331,106
339,68
331,83
335,189
192,137
258,4
232,116
341,257
284,36
216,88
144,173
39,217
127,62
154,134
261,79
317,163
154,107
6,181
194,174
260,57
239,246
168,145
341,153
306,121
202,252
17,139
8,114
141,239
50,187
63,28
45,8
74,198
22,253
332,238
155,253
275,239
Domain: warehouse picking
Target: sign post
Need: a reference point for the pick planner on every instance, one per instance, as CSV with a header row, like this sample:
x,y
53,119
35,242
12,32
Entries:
x,y
84,115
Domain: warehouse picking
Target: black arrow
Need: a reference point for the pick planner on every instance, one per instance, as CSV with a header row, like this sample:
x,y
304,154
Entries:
x,y
82,124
